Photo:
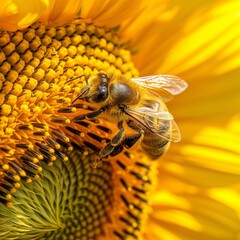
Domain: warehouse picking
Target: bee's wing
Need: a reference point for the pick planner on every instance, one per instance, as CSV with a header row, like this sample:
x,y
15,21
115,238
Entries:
x,y
160,123
164,86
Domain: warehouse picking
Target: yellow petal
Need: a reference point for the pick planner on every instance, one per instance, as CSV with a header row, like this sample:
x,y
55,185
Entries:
x,y
207,36
61,12
188,216
186,38
210,98
109,13
19,14
208,158
199,42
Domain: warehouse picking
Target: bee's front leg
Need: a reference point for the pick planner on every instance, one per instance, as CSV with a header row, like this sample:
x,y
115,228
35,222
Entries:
x,y
114,143
90,115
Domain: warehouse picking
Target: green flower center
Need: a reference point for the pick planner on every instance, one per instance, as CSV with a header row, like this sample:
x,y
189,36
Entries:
x,y
69,202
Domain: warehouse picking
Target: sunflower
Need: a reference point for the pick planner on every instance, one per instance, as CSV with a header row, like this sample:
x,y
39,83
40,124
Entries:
x,y
48,187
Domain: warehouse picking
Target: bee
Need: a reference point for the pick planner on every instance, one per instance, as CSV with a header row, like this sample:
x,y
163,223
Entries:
x,y
137,104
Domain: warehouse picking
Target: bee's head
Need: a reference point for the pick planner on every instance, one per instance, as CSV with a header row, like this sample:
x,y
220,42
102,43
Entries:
x,y
98,88
123,93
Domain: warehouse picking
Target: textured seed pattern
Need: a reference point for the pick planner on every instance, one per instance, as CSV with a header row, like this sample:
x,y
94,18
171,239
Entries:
x,y
41,145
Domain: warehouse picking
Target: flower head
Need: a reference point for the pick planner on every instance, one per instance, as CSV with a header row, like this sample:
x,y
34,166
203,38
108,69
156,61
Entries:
x,y
48,187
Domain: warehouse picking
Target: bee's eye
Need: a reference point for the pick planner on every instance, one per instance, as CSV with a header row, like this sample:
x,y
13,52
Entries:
x,y
101,94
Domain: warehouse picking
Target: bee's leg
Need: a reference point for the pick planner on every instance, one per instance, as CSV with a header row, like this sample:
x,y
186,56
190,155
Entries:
x,y
129,141
116,140
114,143
132,140
90,115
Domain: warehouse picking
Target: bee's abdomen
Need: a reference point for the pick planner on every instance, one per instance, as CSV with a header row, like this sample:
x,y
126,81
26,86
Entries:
x,y
154,145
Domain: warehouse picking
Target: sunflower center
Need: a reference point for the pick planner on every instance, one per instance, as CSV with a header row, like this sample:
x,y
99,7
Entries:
x,y
41,71
35,67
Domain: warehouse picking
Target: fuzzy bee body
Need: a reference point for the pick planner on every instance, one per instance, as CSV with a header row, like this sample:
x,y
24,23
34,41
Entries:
x,y
137,104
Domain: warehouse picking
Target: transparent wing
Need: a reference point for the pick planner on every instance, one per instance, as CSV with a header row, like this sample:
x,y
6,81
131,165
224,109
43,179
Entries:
x,y
167,129
164,86
159,123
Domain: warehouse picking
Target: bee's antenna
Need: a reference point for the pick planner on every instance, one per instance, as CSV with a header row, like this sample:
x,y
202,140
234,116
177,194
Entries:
x,y
84,75
80,94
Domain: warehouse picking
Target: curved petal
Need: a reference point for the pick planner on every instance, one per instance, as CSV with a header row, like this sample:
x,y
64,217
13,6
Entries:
x,y
198,192
198,42
202,33
191,216
211,97
61,12
109,13
207,157
18,14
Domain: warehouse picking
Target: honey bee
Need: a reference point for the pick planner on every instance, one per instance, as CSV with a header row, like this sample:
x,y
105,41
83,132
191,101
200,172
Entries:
x,y
137,104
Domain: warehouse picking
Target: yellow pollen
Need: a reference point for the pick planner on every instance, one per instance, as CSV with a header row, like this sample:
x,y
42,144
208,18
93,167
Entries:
x,y
30,146
5,110
35,160
22,173
8,196
16,178
5,167
9,204
13,190
28,180
17,185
